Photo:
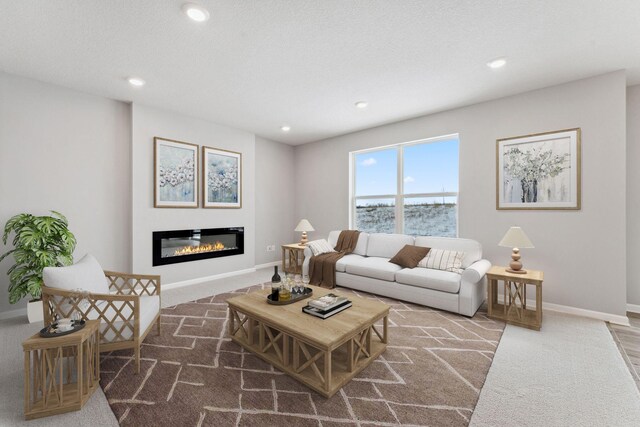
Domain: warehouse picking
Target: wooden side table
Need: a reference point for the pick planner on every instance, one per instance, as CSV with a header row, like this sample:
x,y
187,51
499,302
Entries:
x,y
514,308
48,389
294,254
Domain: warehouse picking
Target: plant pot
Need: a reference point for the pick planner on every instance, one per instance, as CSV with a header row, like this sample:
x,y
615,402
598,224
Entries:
x,y
34,311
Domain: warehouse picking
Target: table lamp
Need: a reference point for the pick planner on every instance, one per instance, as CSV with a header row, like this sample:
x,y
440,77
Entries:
x,y
516,238
304,226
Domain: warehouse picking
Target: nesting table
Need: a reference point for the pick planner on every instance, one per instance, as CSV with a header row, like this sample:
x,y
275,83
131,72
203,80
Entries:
x,y
61,373
292,258
514,308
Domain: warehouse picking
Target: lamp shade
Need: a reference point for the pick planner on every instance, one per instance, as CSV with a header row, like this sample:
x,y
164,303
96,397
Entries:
x,y
304,225
515,237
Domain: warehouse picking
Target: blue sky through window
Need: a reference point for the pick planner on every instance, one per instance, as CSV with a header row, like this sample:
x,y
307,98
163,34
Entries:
x,y
428,168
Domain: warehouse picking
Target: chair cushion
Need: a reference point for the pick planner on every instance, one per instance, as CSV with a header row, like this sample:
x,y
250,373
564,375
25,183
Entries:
x,y
86,275
387,245
375,267
342,263
409,256
149,307
471,248
438,280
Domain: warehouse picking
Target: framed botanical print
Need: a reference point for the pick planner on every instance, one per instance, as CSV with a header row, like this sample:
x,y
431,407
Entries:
x,y
221,178
539,171
175,174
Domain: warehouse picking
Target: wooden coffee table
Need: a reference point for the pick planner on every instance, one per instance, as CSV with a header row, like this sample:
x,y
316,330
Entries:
x,y
296,343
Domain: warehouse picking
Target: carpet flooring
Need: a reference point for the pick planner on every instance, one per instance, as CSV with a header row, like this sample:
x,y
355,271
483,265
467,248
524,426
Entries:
x,y
431,374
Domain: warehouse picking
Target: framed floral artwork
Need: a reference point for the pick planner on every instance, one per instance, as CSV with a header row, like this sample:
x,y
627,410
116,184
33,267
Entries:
x,y
175,174
221,178
539,171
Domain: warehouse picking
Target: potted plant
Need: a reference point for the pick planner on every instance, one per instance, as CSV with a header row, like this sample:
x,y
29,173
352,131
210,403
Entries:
x,y
39,242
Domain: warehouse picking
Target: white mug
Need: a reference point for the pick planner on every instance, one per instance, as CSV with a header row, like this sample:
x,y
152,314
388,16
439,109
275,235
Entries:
x,y
64,327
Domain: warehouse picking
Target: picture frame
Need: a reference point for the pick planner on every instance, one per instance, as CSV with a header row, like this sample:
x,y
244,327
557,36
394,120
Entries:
x,y
540,171
221,178
175,165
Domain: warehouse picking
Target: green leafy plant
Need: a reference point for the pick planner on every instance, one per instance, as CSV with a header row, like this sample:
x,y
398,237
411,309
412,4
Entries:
x,y
39,242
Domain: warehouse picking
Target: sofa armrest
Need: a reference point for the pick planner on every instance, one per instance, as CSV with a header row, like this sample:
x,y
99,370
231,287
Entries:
x,y
476,271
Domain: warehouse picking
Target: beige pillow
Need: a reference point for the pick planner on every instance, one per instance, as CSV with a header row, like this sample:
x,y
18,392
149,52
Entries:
x,y
441,259
409,256
320,247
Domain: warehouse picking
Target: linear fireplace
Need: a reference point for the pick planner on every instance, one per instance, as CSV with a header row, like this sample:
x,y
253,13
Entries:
x,y
170,247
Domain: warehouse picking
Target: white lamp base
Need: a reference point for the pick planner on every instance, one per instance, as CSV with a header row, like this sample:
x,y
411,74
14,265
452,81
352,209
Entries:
x,y
303,240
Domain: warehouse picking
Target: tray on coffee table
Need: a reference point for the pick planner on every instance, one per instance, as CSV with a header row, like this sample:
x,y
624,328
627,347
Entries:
x,y
295,297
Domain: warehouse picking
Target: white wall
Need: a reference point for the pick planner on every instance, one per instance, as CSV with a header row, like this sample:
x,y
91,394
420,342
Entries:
x,y
275,198
633,194
581,252
149,122
67,151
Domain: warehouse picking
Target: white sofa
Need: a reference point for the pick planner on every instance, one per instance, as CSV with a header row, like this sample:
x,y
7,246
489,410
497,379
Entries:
x,y
368,269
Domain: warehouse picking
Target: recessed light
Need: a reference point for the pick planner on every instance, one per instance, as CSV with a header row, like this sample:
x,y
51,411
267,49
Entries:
x,y
362,104
195,12
136,81
497,63
285,128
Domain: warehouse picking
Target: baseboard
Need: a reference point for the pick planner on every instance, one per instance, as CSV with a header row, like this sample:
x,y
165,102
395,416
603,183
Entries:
x,y
190,282
13,313
606,317
633,308
268,264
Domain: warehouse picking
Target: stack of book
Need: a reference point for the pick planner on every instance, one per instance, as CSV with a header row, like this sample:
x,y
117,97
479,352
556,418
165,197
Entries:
x,y
326,306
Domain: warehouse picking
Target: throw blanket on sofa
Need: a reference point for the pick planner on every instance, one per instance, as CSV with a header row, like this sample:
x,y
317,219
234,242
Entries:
x,y
322,268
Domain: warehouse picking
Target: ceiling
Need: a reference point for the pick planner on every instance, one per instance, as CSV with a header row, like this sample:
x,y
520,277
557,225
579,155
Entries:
x,y
257,65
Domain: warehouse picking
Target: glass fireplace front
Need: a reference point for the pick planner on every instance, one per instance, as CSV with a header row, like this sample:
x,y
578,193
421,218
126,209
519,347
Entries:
x,y
170,247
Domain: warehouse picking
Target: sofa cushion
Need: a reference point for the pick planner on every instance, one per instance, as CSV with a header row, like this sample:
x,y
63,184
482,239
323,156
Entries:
x,y
333,238
409,256
375,267
342,263
430,279
471,248
387,245
85,275
361,246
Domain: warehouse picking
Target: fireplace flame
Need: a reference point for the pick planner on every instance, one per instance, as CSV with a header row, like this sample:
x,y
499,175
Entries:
x,y
208,247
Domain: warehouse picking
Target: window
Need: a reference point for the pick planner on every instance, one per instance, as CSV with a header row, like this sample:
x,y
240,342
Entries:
x,y
409,188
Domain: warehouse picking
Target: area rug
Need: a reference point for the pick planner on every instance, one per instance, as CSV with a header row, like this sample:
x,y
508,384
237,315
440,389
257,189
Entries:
x,y
568,374
192,375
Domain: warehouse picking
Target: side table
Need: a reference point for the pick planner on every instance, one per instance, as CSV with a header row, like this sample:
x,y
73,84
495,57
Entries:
x,y
49,371
514,308
292,258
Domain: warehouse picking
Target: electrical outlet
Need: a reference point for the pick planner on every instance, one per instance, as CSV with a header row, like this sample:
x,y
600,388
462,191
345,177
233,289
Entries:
x,y
271,248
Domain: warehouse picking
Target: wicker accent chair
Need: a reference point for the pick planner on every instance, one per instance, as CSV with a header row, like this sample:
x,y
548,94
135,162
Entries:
x,y
127,309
